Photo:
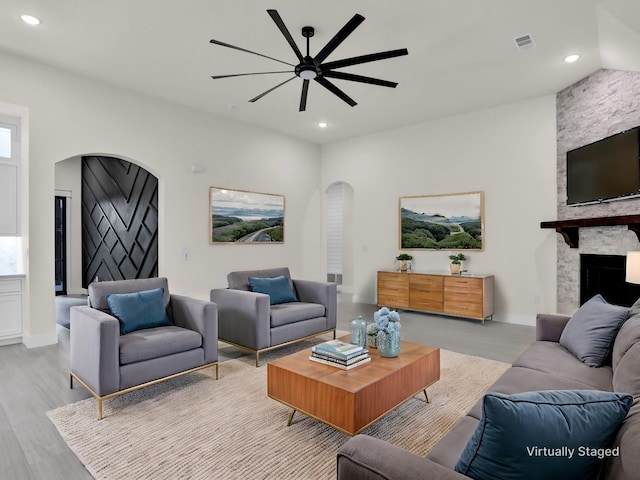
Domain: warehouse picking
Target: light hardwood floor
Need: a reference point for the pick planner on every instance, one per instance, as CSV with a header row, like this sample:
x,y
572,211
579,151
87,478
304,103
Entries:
x,y
34,381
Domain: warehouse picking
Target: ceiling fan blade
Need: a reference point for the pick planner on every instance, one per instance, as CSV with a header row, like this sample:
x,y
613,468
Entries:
x,y
217,42
303,97
338,38
283,28
335,90
359,78
254,99
216,77
372,57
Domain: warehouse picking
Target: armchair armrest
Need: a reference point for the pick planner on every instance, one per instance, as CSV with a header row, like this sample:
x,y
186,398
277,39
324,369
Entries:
x,y
200,316
94,349
369,458
319,292
549,327
244,317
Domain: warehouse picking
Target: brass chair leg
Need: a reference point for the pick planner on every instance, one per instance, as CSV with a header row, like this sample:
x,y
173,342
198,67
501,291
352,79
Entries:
x,y
99,409
71,381
217,376
257,359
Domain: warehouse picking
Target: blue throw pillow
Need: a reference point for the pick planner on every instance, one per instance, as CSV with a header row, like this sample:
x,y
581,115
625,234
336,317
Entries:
x,y
591,331
139,310
541,435
278,288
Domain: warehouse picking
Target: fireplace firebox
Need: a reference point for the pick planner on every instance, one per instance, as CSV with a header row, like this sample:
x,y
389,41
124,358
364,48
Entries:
x,y
605,274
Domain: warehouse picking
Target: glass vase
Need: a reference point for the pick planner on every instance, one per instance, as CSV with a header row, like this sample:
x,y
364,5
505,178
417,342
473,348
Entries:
x,y
389,343
359,332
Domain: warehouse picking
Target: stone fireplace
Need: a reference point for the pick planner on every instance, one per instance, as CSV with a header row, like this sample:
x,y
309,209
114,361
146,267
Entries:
x,y
600,105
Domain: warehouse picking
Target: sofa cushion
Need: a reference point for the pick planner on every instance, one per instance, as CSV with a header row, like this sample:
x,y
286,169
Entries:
x,y
628,335
157,342
286,313
551,357
551,434
626,378
590,332
278,288
139,310
522,379
240,280
98,290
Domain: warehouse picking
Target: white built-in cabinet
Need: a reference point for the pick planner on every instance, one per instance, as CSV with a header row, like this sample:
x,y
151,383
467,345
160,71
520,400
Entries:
x,y
10,310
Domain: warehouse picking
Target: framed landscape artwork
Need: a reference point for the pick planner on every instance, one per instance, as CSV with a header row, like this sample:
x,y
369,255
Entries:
x,y
239,216
442,222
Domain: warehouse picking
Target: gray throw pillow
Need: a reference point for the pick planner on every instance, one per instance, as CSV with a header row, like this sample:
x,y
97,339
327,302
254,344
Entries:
x,y
590,332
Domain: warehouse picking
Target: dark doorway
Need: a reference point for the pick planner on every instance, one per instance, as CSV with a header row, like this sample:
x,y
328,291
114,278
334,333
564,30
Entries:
x,y
119,220
61,245
605,274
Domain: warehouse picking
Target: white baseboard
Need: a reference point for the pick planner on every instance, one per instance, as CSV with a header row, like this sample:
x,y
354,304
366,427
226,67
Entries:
x,y
35,341
10,341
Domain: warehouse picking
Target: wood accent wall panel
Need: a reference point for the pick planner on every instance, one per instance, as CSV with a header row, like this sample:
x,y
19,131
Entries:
x,y
119,220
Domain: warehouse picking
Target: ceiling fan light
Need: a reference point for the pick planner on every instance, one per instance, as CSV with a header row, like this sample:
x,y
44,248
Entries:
x,y
308,74
30,19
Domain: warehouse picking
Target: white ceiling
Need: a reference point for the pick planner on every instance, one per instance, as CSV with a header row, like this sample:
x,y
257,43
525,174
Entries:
x,y
462,54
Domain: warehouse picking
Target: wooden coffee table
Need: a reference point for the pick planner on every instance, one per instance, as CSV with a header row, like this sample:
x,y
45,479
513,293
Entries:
x,y
351,400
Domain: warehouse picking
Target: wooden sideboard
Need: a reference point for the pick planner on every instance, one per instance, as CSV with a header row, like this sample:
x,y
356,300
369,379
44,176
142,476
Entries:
x,y
469,296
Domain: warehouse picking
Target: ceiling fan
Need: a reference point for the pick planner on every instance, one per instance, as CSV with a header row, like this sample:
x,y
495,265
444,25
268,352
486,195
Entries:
x,y
314,68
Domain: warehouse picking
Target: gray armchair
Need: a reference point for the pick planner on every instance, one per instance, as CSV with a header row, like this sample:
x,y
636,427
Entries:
x,y
109,364
247,320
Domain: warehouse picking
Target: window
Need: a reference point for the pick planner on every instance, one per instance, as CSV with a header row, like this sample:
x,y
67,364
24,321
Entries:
x,y
9,205
5,142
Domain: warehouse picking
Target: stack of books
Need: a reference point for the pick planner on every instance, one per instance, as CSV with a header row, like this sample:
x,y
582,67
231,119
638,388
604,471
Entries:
x,y
339,354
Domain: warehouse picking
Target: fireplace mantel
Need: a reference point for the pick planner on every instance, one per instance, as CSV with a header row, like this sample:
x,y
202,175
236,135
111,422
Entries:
x,y
569,229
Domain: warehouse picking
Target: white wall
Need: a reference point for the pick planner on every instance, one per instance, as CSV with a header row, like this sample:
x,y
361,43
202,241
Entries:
x,y
72,116
508,152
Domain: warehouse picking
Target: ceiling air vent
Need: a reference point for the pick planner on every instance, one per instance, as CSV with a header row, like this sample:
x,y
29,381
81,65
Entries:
x,y
524,42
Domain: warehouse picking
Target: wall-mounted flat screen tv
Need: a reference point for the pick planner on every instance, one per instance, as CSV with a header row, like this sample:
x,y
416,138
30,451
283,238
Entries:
x,y
606,170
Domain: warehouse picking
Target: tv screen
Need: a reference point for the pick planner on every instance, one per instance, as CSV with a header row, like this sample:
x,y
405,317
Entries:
x,y
604,170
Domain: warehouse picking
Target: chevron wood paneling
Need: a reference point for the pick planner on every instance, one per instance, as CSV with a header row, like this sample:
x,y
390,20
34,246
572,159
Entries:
x,y
119,220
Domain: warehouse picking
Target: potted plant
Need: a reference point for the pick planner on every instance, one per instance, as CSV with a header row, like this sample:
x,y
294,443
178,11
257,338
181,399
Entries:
x,y
456,263
404,259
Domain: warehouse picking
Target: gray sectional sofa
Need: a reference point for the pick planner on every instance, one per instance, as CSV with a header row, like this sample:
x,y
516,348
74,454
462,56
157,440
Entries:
x,y
248,320
545,365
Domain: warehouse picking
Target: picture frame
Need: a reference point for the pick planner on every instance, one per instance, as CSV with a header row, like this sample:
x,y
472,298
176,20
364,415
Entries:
x,y
244,217
453,221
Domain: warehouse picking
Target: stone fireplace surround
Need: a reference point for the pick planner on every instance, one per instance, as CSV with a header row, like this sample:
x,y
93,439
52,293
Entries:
x,y
600,105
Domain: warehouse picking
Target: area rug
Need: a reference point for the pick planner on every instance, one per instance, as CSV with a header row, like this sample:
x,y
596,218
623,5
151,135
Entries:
x,y
195,427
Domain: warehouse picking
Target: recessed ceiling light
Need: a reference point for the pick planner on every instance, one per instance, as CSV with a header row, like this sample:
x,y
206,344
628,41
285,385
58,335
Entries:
x,y
571,58
30,19
322,124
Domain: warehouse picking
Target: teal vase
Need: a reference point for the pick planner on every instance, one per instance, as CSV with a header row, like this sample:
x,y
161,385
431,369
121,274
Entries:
x,y
389,343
